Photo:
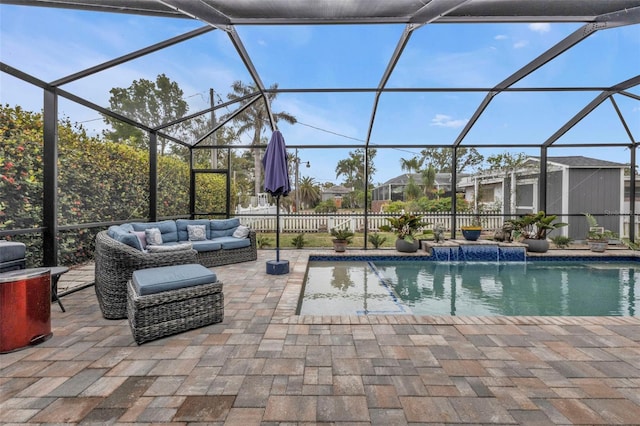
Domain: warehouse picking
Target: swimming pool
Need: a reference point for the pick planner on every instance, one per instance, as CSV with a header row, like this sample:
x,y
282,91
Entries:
x,y
558,288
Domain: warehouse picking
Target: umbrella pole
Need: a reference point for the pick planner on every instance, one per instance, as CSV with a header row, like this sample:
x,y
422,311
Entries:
x,y
278,228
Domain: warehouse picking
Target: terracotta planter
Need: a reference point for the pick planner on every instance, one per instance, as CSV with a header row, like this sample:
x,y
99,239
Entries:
x,y
340,245
406,246
471,234
536,246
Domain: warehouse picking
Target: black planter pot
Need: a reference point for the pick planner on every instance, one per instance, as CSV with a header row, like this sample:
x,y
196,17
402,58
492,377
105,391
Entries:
x,y
406,246
471,234
536,246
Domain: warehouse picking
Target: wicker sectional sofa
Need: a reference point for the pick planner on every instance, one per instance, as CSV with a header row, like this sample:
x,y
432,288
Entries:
x,y
118,253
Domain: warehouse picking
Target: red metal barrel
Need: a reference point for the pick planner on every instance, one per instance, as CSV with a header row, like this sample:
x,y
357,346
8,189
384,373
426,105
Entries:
x,y
25,308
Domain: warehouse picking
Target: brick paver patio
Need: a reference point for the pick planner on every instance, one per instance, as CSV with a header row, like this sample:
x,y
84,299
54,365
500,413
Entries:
x,y
265,365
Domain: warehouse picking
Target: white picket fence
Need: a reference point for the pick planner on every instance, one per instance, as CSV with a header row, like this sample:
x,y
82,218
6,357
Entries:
x,y
306,222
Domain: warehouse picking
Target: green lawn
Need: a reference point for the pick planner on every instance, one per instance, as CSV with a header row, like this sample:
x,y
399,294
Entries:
x,y
321,240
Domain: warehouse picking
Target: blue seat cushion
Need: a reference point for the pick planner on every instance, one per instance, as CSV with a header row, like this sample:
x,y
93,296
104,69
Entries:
x,y
206,245
166,278
181,224
222,227
11,250
232,242
167,228
122,233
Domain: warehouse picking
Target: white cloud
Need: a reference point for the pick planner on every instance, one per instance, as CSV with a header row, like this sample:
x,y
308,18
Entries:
x,y
443,120
520,44
500,37
540,27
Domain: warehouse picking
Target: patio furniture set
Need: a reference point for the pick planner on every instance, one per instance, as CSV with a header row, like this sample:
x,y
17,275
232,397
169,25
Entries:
x,y
155,273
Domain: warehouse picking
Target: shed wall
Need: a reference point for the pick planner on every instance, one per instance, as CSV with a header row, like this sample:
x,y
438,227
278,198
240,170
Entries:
x,y
596,192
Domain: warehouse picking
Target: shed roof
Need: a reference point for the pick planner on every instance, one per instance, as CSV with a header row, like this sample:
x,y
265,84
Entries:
x,y
579,161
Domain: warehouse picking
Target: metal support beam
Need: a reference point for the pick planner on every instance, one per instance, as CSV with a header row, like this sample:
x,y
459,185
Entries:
x,y
622,120
192,187
617,19
632,193
404,39
153,176
542,180
434,10
427,14
235,39
559,48
134,55
198,10
454,192
205,111
590,107
50,179
227,119
366,196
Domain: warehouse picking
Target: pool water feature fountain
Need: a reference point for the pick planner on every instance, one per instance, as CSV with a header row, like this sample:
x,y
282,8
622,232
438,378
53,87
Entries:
x,y
464,251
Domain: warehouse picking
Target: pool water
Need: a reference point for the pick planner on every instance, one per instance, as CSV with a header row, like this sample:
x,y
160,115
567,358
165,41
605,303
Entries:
x,y
472,288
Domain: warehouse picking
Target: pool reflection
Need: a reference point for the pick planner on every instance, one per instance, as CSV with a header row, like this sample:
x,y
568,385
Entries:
x,y
540,289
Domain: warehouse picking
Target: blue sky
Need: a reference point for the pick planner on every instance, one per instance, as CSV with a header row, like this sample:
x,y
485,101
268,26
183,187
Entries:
x,y
53,43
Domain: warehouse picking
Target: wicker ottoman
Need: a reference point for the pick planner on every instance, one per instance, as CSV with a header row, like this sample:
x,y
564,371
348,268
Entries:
x,y
172,299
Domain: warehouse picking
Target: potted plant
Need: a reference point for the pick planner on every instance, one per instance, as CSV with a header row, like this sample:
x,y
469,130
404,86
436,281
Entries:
x,y
405,226
472,232
597,237
341,238
533,229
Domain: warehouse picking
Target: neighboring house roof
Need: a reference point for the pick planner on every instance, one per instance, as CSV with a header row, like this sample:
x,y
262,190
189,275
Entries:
x,y
442,179
579,161
337,189
531,163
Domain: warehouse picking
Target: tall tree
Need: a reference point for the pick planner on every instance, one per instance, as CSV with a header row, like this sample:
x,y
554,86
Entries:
x,y
309,192
429,179
505,161
410,165
353,171
149,103
352,168
255,121
440,158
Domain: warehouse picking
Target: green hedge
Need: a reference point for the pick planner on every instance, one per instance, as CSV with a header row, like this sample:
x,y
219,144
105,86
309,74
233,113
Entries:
x,y
98,181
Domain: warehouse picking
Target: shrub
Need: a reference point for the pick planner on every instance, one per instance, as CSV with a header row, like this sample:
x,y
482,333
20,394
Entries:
x,y
561,241
298,241
327,206
263,241
98,181
376,239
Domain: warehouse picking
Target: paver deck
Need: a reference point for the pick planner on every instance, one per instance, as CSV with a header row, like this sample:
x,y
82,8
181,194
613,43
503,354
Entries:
x,y
265,365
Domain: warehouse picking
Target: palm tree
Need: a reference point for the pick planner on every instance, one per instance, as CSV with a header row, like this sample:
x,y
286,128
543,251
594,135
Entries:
x,y
349,169
352,168
256,119
411,190
309,192
411,164
429,179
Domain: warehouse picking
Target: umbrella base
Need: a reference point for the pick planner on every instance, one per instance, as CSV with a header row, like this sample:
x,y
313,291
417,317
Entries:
x,y
277,267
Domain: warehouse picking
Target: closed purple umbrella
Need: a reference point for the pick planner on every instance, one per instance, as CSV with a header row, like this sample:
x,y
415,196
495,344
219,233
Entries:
x,y
276,183
276,170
